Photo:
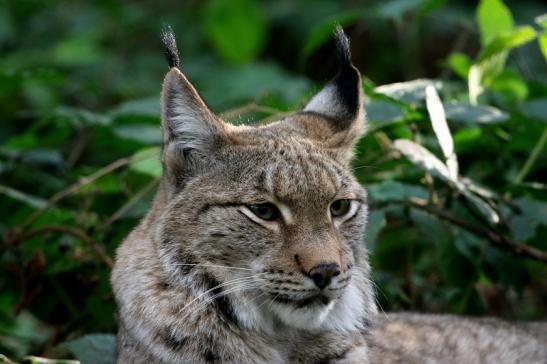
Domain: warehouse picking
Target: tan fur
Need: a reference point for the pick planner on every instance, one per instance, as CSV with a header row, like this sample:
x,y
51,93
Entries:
x,y
204,279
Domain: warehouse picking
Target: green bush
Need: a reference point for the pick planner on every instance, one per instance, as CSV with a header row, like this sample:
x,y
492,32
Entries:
x,y
458,210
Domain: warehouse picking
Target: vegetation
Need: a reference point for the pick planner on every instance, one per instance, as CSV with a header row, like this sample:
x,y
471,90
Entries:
x,y
458,210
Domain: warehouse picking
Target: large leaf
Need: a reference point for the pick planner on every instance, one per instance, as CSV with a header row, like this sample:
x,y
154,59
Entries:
x,y
467,113
411,91
440,127
535,109
532,214
507,41
236,28
424,159
395,191
94,349
143,133
147,161
493,18
30,200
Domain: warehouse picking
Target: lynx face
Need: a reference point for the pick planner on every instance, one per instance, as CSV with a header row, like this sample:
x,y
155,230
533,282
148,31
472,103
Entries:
x,y
272,214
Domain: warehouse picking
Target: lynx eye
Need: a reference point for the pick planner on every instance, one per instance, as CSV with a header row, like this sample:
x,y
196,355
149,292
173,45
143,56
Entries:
x,y
340,207
266,211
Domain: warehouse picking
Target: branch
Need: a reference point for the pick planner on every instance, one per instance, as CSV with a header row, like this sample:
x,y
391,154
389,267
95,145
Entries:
x,y
78,233
76,187
494,237
136,198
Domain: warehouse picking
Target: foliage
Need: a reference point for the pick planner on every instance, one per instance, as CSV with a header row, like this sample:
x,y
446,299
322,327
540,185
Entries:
x,y
454,159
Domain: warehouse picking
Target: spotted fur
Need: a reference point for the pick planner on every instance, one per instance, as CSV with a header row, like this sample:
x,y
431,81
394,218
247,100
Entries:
x,y
204,279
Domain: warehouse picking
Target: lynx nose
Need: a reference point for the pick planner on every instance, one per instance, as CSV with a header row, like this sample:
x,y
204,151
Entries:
x,y
322,273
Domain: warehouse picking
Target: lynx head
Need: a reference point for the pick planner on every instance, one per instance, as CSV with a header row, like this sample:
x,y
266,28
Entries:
x,y
270,216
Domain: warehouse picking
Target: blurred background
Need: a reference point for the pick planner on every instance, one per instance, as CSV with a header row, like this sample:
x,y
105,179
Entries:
x,y
79,139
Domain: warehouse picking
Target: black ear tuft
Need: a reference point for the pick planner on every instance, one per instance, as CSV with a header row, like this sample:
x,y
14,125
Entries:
x,y
341,97
342,46
170,46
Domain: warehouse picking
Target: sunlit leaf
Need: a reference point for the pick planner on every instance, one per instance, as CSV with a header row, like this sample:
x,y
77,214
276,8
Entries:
x,y
542,42
507,41
440,127
541,20
411,91
493,18
485,208
423,158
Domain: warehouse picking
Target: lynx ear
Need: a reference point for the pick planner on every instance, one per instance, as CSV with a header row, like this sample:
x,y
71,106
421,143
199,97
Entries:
x,y
341,100
189,126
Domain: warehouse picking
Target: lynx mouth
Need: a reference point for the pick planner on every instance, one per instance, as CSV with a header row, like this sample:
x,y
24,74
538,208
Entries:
x,y
318,299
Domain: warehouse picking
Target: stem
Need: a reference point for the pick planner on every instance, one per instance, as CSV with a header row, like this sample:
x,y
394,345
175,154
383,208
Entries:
x,y
132,201
76,187
533,157
494,237
93,245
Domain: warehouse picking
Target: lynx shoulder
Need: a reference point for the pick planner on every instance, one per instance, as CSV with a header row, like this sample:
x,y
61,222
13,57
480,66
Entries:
x,y
252,251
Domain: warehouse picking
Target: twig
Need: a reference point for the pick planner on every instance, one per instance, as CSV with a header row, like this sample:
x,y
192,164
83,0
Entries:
x,y
76,187
92,244
493,236
533,157
132,201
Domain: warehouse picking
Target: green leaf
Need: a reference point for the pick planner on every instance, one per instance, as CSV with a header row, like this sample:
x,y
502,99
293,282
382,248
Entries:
x,y
459,63
147,161
535,109
541,20
424,159
532,215
467,113
375,223
411,92
236,28
395,191
493,18
507,41
143,107
146,134
30,200
94,349
511,85
381,113
542,41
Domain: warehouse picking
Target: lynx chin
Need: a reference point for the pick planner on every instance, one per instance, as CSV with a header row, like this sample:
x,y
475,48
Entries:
x,y
253,249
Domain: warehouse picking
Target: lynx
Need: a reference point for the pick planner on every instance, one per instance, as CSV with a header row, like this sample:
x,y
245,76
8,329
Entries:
x,y
252,251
